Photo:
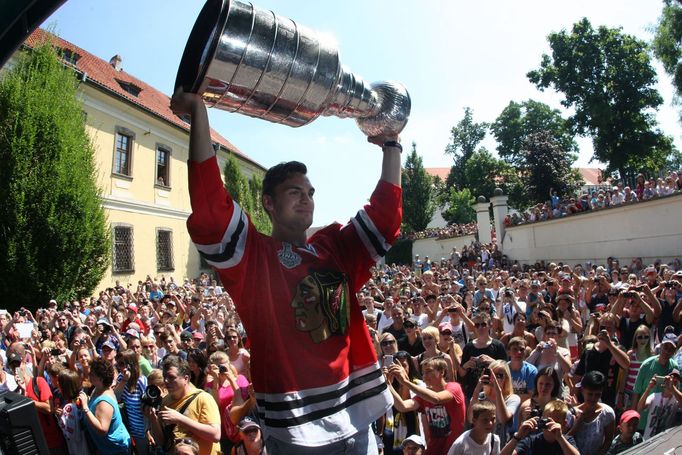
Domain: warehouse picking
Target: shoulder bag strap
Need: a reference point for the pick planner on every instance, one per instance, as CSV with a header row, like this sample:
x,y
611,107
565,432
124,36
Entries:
x,y
168,429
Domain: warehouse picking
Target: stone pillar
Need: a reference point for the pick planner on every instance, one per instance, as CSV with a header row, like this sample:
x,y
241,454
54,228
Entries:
x,y
500,209
483,220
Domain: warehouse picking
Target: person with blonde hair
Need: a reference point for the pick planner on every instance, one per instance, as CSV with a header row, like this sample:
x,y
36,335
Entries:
x,y
430,340
495,385
545,434
439,401
639,352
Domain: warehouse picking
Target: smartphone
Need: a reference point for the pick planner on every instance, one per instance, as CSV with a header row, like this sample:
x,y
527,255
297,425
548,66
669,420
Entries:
x,y
660,380
388,360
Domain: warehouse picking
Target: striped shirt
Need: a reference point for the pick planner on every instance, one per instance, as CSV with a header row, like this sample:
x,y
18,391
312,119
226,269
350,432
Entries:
x,y
133,407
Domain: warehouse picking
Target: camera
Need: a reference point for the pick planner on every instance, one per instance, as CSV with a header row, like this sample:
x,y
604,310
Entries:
x,y
152,397
535,412
628,294
222,369
669,284
542,423
55,352
452,310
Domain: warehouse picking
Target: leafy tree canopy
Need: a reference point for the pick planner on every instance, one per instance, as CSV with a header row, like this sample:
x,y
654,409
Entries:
x,y
460,206
546,167
418,190
465,137
667,42
54,237
519,120
607,78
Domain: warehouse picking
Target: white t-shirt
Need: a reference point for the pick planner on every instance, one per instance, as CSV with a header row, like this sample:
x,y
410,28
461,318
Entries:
x,y
661,414
465,445
592,434
507,314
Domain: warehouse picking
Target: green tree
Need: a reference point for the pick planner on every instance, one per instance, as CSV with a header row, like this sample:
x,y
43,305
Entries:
x,y
460,206
546,167
54,238
607,78
484,173
667,42
518,120
465,137
418,189
247,193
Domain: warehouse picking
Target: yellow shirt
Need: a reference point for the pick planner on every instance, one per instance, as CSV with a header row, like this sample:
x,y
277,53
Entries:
x,y
202,409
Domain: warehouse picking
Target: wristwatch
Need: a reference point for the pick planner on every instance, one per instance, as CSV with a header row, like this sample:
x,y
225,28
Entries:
x,y
515,436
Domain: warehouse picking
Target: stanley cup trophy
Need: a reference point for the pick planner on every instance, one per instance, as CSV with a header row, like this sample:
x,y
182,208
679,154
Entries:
x,y
254,62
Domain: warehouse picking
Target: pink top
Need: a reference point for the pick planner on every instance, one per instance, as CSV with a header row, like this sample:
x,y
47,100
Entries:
x,y
225,396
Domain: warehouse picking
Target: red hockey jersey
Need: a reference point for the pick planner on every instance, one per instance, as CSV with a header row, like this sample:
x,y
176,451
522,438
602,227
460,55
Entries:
x,y
314,369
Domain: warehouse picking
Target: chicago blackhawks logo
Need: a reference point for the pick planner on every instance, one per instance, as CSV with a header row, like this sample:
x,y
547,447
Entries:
x,y
321,305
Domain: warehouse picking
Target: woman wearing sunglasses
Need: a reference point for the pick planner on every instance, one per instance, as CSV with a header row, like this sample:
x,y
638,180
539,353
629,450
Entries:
x,y
495,385
640,351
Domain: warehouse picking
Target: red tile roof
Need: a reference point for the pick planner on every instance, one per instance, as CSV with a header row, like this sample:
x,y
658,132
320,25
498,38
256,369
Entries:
x,y
101,73
591,175
440,172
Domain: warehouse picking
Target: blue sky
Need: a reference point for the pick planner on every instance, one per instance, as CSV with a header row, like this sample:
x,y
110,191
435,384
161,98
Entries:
x,y
449,54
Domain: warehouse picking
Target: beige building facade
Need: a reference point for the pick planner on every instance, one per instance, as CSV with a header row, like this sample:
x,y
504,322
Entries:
x,y
141,152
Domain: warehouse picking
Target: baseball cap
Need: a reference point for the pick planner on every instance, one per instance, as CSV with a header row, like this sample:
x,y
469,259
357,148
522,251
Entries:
x,y
185,336
104,321
53,302
629,415
417,439
669,338
109,344
132,333
246,423
445,326
197,335
132,307
649,270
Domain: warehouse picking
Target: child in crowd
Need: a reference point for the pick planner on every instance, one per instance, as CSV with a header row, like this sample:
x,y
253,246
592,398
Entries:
x,y
629,436
480,440
70,415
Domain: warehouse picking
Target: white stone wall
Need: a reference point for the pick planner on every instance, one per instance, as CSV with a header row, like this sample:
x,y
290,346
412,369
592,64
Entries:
x,y
650,230
436,249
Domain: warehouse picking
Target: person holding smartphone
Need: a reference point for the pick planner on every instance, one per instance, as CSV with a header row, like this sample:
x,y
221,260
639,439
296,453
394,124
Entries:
x,y
442,403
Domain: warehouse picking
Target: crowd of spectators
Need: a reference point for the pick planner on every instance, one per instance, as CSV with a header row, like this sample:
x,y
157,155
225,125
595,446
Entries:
x,y
549,358
555,207
447,232
480,356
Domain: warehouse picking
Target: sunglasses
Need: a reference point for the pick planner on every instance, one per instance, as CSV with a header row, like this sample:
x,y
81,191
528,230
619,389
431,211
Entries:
x,y
480,325
232,337
447,334
387,342
642,337
408,326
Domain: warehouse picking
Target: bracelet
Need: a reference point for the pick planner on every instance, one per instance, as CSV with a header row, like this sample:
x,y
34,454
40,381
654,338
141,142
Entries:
x,y
395,144
515,436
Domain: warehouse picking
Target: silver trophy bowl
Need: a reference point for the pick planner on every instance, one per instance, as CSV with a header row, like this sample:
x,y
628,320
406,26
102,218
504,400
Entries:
x,y
254,62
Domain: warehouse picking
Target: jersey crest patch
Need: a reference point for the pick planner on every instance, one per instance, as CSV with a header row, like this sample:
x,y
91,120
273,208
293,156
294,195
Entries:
x,y
321,305
288,257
